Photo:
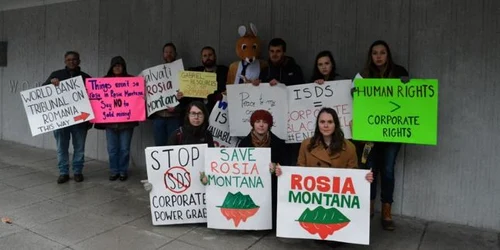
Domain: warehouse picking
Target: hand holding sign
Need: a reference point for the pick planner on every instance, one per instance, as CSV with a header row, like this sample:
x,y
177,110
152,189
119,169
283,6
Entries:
x,y
58,105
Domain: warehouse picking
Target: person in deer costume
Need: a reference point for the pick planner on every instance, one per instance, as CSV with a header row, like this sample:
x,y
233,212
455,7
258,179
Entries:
x,y
248,50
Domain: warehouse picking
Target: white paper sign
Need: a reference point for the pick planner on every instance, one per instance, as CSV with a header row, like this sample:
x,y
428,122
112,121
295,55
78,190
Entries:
x,y
324,203
244,99
50,107
219,125
162,83
178,196
306,100
238,188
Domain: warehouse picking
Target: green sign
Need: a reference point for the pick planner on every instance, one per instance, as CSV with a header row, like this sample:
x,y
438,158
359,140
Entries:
x,y
388,110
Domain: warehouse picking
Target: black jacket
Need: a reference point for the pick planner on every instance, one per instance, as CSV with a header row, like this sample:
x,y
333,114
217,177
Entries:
x,y
179,137
64,74
288,72
278,155
278,150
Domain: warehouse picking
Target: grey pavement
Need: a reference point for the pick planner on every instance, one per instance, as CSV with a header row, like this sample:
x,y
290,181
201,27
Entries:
x,y
100,214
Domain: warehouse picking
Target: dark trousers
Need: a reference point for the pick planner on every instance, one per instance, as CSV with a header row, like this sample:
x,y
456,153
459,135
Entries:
x,y
382,160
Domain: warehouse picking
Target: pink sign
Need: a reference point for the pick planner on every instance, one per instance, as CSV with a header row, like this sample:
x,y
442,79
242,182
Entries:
x,y
117,99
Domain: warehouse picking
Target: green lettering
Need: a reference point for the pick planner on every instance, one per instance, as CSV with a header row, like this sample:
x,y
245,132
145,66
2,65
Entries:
x,y
306,197
223,151
295,198
250,155
316,198
355,202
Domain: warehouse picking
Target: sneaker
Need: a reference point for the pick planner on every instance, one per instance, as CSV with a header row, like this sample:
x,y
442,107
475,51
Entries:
x,y
62,178
114,177
78,177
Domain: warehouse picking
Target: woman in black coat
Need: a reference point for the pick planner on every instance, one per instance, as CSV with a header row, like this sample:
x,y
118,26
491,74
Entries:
x,y
261,136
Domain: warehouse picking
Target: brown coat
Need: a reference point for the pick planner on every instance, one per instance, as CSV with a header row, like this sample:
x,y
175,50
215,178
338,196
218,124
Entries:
x,y
319,156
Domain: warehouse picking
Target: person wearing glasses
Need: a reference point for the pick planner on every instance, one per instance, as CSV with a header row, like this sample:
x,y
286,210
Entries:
x,y
194,129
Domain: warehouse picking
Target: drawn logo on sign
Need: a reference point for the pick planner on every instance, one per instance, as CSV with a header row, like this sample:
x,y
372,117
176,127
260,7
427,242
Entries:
x,y
322,221
177,179
238,207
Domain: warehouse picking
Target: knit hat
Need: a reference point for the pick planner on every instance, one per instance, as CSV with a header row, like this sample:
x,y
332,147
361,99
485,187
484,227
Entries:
x,y
261,115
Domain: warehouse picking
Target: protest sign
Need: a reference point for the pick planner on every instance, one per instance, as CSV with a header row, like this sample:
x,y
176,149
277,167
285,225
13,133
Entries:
x,y
117,99
162,84
306,100
50,107
178,196
244,99
389,110
324,203
219,125
197,84
239,188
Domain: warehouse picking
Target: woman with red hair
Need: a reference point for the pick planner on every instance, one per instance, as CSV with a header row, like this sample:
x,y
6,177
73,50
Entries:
x,y
261,137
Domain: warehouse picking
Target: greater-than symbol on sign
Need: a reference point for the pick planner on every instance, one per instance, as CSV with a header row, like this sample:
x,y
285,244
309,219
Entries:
x,y
83,116
397,106
317,104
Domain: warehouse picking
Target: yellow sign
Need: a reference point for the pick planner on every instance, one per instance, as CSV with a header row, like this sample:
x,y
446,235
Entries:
x,y
197,84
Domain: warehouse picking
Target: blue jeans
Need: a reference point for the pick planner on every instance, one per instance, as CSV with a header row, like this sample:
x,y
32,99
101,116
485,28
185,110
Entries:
x,y
382,159
163,128
78,133
119,149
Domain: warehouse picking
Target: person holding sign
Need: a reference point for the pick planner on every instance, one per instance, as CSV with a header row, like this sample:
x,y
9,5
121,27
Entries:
x,y
167,120
118,135
261,136
194,131
325,68
379,64
327,147
77,132
209,64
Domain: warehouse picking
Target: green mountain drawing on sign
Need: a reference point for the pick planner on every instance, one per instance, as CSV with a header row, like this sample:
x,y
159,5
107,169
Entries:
x,y
323,216
323,222
238,201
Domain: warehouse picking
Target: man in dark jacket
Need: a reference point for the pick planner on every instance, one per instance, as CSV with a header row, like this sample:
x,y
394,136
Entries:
x,y
209,64
282,68
77,132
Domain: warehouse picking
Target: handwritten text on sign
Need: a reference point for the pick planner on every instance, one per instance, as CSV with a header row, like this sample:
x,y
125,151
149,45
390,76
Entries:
x,y
219,125
238,188
244,99
391,111
117,99
324,203
162,83
197,84
177,197
306,100
53,107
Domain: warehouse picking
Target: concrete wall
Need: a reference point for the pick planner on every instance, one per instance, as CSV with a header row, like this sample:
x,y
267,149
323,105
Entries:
x,y
457,43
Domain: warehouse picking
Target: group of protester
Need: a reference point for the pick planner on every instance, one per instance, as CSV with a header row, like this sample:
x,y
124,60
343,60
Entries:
x,y
188,122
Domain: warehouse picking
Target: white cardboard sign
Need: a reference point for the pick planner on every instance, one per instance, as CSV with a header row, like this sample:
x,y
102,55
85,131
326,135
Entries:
x,y
51,107
178,196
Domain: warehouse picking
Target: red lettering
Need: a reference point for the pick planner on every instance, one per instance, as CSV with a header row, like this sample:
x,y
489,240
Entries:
x,y
254,169
323,184
348,186
296,181
336,185
312,181
213,167
235,167
225,164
